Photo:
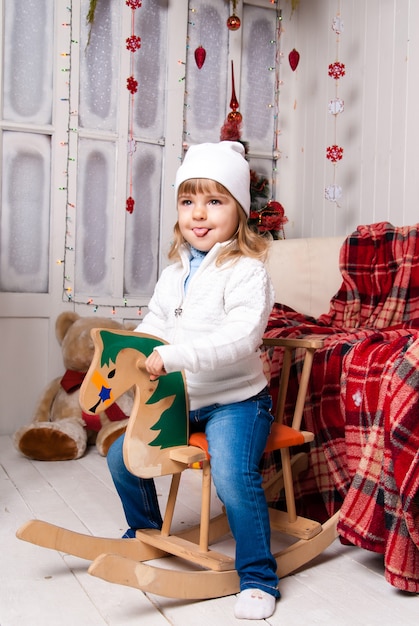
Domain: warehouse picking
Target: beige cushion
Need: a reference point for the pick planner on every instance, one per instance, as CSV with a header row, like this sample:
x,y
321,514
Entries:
x,y
305,272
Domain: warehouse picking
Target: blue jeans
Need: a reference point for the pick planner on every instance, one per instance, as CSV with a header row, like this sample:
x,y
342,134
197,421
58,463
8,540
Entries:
x,y
236,435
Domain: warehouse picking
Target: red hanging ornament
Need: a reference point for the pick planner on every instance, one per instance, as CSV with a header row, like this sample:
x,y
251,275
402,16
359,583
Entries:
x,y
133,4
336,70
132,85
294,59
334,153
233,22
234,114
133,43
200,54
130,204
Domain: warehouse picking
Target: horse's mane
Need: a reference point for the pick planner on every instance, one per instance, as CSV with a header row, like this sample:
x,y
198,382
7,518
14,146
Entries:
x,y
173,422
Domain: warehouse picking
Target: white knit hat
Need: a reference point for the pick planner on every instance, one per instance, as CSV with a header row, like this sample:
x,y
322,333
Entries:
x,y
223,162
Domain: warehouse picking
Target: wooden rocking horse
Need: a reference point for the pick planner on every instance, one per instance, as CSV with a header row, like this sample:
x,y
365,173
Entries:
x,y
156,444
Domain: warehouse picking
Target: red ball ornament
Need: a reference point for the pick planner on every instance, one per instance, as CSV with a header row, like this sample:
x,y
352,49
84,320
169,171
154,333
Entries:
x,y
200,54
233,22
235,117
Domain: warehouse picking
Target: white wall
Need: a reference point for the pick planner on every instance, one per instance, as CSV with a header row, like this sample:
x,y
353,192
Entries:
x,y
379,128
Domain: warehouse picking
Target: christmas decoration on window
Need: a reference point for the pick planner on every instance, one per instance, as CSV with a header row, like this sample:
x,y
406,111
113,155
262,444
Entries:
x,y
70,143
265,217
231,130
334,152
233,22
200,55
133,43
294,59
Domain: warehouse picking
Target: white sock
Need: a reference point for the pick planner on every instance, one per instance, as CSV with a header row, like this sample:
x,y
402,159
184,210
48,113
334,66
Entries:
x,y
254,604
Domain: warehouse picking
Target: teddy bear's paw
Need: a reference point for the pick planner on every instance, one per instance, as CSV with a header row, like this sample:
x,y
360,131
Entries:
x,y
109,434
51,441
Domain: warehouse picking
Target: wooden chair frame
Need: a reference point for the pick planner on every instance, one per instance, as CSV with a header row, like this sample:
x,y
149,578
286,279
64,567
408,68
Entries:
x,y
212,573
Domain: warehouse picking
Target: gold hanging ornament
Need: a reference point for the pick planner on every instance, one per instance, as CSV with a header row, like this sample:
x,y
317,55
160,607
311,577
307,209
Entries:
x,y
233,22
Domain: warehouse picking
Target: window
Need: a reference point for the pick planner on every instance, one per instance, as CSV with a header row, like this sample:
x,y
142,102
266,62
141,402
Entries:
x,y
96,115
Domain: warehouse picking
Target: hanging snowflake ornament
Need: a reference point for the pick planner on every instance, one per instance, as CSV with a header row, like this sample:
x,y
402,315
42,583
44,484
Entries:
x,y
133,4
132,85
130,204
333,193
334,153
337,25
336,70
133,43
336,106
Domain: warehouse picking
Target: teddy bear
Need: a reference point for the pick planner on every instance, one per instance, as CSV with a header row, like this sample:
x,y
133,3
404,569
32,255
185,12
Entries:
x,y
59,430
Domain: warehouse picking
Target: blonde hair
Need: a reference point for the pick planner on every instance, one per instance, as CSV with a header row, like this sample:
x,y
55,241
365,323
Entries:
x,y
245,241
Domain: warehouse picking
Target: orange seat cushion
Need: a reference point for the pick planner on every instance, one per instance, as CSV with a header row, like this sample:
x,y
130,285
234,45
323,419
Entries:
x,y
200,441
281,436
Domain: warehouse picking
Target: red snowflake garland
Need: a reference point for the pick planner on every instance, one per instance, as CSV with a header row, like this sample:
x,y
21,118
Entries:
x,y
336,70
132,85
334,153
133,43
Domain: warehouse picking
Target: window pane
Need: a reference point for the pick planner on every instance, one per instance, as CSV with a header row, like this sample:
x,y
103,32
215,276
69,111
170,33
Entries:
x,y
150,69
99,66
25,213
207,88
28,50
94,212
258,81
142,226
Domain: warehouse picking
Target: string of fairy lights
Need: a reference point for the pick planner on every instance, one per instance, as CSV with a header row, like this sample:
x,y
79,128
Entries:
x,y
70,144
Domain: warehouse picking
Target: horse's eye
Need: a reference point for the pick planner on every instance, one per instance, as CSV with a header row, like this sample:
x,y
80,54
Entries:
x,y
111,373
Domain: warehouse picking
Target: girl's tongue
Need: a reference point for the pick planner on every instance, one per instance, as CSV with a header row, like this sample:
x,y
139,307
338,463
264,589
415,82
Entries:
x,y
200,232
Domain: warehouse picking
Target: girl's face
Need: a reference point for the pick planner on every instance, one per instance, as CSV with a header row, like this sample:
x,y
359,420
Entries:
x,y
207,215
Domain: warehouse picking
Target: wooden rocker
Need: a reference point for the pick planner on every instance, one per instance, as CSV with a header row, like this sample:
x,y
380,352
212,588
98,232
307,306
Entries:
x,y
157,444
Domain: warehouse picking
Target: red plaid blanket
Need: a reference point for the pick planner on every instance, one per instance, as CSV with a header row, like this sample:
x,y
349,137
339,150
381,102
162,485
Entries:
x,y
363,399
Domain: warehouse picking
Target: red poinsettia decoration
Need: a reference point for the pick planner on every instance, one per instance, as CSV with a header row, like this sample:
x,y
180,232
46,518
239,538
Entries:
x,y
269,219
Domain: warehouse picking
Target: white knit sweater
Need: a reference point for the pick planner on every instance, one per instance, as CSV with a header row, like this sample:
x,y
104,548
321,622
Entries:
x,y
215,330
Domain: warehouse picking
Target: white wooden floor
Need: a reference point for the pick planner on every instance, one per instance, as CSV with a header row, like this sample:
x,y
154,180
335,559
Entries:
x,y
39,587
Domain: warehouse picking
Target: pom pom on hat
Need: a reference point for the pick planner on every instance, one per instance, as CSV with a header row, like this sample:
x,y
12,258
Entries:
x,y
223,162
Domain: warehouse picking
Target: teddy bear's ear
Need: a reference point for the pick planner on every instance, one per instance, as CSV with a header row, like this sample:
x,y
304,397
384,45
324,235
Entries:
x,y
63,323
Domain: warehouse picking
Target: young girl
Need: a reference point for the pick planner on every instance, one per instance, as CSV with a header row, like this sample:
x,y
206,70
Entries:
x,y
212,305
